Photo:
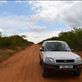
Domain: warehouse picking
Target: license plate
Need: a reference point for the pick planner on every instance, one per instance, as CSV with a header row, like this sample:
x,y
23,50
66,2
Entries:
x,y
65,66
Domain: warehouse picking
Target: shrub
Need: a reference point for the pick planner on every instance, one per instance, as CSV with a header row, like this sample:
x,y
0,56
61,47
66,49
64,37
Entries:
x,y
13,42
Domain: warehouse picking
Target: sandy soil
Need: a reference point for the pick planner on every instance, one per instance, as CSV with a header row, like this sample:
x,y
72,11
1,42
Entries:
x,y
24,67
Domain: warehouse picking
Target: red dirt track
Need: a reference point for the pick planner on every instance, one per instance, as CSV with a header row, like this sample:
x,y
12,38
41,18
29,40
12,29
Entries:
x,y
24,67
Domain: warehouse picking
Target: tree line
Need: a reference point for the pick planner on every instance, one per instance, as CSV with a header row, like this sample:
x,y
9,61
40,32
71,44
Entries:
x,y
73,38
13,42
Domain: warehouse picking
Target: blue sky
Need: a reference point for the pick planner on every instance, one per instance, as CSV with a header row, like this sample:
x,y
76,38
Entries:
x,y
39,20
14,8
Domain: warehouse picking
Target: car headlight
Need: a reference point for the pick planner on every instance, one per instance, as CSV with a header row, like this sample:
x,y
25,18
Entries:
x,y
78,60
49,60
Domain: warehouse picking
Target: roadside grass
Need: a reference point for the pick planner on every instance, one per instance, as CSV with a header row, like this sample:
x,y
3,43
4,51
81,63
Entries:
x,y
5,54
12,44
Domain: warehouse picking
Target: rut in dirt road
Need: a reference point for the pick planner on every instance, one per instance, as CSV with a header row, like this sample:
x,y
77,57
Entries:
x,y
24,67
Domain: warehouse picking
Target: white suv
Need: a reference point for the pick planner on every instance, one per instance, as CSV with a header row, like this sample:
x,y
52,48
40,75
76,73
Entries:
x,y
57,56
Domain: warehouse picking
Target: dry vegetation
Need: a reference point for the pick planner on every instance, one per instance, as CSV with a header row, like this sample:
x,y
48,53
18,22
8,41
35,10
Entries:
x,y
10,45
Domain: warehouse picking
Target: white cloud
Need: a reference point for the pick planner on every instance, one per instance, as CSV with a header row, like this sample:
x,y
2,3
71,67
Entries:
x,y
37,28
16,24
1,30
13,24
67,11
37,37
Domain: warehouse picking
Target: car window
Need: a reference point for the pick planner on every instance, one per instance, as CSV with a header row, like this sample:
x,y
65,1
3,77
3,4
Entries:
x,y
56,46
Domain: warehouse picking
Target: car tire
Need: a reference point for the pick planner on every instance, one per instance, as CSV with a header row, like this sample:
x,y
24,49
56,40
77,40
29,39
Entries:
x,y
45,72
40,62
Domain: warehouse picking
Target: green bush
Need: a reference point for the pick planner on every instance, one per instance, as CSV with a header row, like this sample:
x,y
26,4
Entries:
x,y
13,42
73,38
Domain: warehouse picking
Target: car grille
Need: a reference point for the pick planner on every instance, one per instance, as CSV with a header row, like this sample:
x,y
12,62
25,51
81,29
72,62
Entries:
x,y
65,61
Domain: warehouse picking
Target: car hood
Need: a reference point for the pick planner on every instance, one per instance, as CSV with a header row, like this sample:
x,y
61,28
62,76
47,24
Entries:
x,y
61,55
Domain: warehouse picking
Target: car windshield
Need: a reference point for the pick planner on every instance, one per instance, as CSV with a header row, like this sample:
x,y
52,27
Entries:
x,y
56,46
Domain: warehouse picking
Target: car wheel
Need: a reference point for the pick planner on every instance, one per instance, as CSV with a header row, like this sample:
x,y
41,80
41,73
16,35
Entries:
x,y
45,72
40,62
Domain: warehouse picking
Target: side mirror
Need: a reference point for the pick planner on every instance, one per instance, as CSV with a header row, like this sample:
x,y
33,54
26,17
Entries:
x,y
72,49
42,49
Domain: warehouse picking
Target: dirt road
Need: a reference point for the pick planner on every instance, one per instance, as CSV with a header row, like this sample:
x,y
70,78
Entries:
x,y
24,67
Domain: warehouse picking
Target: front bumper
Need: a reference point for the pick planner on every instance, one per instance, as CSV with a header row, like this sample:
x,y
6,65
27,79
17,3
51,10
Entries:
x,y
56,67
